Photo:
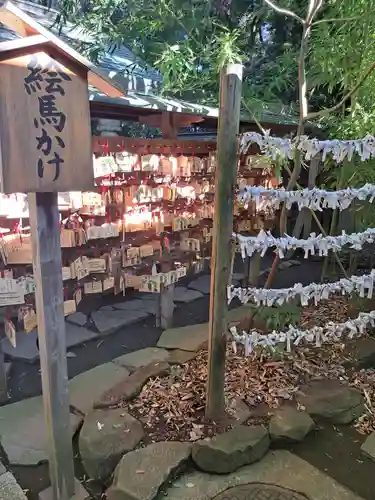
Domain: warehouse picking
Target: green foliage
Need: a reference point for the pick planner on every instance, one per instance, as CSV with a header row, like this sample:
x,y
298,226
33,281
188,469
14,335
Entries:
x,y
277,318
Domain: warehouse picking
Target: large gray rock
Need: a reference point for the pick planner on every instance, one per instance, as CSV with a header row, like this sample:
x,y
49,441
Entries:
x,y
178,357
187,338
26,348
23,433
106,435
77,335
86,388
111,321
182,294
132,385
142,357
2,469
289,424
329,399
368,447
201,284
141,473
77,318
362,353
231,450
10,489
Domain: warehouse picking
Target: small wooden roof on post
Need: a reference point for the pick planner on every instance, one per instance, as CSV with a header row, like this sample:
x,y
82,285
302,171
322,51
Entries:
x,y
36,38
44,95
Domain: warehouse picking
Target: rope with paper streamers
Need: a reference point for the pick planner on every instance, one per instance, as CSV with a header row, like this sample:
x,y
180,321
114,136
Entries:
x,y
331,332
363,285
314,199
315,244
277,147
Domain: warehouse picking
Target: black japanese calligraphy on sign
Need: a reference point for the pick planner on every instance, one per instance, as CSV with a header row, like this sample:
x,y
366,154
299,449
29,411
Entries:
x,y
48,82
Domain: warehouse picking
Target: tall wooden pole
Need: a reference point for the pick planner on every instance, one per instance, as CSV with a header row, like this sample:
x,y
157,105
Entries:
x,y
45,234
226,170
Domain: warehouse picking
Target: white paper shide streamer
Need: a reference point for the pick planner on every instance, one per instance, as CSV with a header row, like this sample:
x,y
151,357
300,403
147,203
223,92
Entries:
x,y
283,147
314,199
314,245
363,285
331,332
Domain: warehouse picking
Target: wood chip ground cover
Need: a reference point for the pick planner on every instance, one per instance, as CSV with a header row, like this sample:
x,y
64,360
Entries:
x,y
172,407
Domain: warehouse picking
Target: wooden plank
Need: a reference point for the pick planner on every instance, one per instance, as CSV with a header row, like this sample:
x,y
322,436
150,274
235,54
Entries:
x,y
3,377
164,314
21,47
45,231
45,130
254,269
226,170
105,145
24,25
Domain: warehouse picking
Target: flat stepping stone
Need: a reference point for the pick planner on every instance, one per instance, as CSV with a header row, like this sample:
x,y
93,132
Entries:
x,y
142,357
148,306
278,468
86,388
368,447
187,338
131,386
131,305
201,284
182,294
77,318
141,473
106,435
23,433
26,348
331,400
178,357
239,411
111,321
78,335
289,424
10,489
231,450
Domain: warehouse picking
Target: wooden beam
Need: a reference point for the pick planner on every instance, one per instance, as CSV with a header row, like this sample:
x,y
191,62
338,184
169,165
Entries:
x,y
3,377
103,145
45,234
226,170
25,25
22,47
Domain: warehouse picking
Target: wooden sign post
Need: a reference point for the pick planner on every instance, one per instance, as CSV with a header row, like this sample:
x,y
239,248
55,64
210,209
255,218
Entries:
x,y
45,147
225,178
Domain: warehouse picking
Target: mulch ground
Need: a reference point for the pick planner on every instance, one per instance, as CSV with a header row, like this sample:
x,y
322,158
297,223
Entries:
x,y
172,407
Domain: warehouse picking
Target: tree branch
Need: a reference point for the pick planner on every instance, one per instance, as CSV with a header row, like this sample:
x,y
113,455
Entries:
x,y
286,12
347,96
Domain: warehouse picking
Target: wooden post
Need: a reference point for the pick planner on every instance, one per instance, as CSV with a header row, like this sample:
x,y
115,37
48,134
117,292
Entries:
x,y
3,377
226,170
165,307
45,234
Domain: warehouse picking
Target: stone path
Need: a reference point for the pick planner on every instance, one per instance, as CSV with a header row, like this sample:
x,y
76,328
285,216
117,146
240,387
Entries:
x,y
23,434
278,468
259,492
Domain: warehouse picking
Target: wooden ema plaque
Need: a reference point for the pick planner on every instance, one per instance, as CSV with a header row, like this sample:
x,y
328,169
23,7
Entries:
x,y
45,131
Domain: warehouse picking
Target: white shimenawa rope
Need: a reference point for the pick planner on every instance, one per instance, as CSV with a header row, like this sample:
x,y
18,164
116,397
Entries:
x,y
315,199
339,149
363,285
315,244
331,332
